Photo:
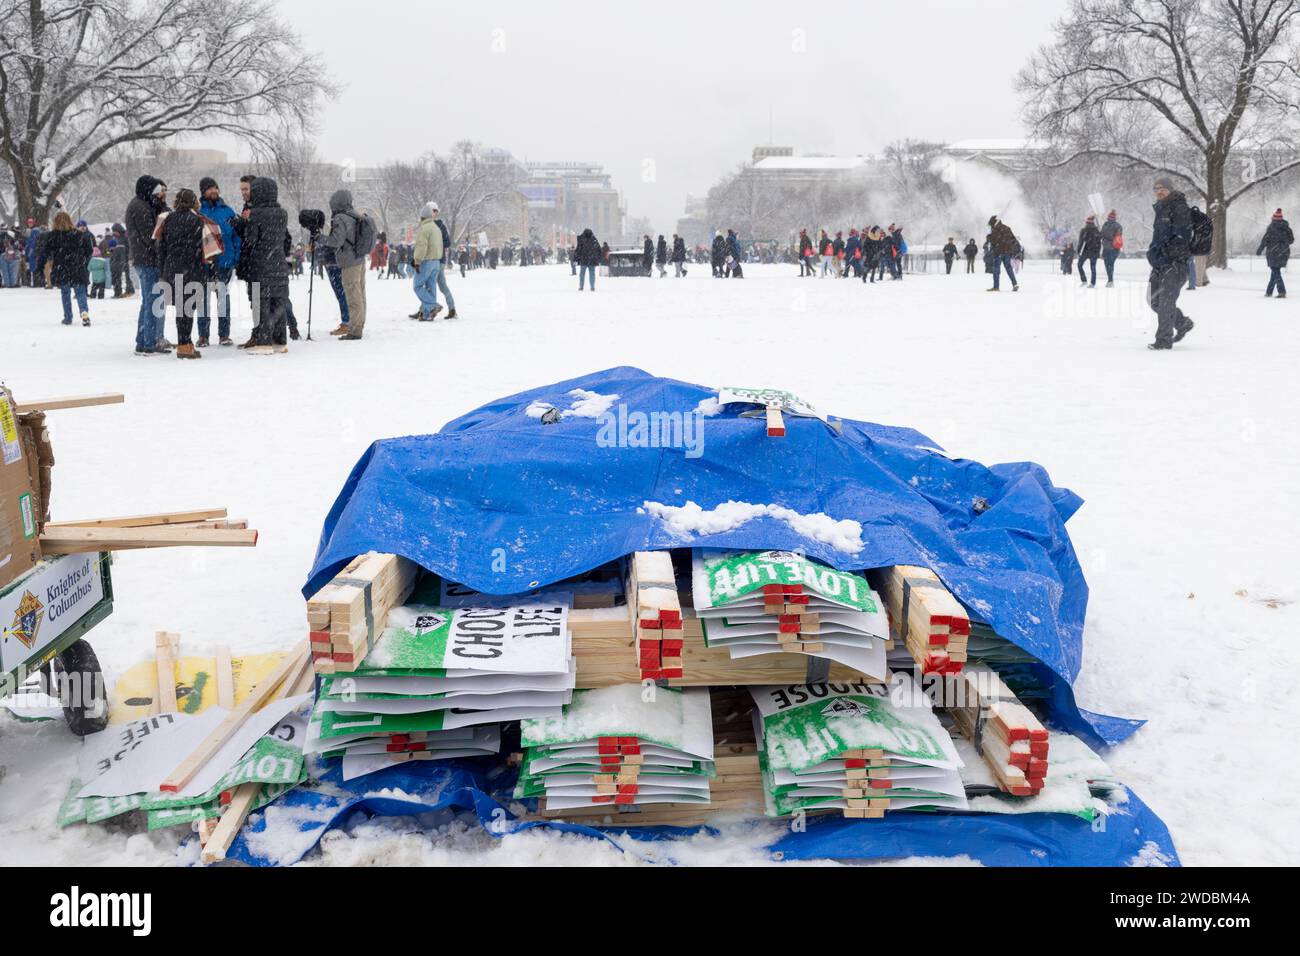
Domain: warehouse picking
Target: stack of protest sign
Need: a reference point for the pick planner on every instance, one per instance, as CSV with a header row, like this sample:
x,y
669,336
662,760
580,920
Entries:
x,y
1012,741
760,602
657,610
628,745
860,748
928,621
439,682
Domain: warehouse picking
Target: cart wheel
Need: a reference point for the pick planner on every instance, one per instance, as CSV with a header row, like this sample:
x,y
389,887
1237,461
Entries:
x,y
81,683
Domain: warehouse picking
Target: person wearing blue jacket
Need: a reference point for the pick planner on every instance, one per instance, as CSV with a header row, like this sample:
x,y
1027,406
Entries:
x,y
734,270
220,269
32,253
1171,240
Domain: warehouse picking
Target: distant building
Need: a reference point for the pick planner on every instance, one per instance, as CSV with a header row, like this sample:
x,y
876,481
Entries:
x,y
802,170
694,225
763,152
564,198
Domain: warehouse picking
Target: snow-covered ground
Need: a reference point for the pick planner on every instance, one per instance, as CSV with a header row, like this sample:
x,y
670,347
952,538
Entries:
x,y
1187,460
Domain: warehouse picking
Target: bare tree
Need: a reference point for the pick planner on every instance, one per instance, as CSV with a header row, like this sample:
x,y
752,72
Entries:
x,y
79,78
472,192
1184,86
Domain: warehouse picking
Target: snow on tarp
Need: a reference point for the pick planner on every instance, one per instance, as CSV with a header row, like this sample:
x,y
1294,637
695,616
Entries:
x,y
503,503
1132,835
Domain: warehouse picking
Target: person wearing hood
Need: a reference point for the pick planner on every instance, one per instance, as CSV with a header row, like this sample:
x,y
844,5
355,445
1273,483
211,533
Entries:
x,y
679,256
265,238
1067,258
648,255
141,218
588,253
718,253
735,256
428,262
1112,241
219,270
1089,245
1276,245
182,268
342,244
972,250
1171,237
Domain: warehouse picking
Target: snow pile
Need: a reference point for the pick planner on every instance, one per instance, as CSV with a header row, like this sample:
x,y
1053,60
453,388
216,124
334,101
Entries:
x,y
689,520
585,404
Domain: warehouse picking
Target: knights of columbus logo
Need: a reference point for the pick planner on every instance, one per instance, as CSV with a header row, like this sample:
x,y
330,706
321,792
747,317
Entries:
x,y
27,619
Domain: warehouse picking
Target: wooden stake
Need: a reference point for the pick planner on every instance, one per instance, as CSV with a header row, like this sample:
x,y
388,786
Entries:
x,y
70,401
225,679
143,521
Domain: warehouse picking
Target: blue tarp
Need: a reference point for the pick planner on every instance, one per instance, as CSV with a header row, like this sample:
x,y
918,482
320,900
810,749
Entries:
x,y
1131,835
503,503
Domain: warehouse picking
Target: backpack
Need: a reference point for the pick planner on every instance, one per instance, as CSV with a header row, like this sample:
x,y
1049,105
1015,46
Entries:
x,y
1202,233
366,236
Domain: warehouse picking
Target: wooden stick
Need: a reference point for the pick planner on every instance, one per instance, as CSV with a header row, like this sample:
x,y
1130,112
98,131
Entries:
x,y
225,679
166,673
775,422
69,540
289,669
143,521
71,401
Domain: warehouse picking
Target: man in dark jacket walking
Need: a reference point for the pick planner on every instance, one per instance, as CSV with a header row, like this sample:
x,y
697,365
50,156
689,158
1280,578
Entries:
x,y
1089,249
1171,236
587,253
266,231
679,256
718,254
971,250
141,215
949,254
1112,241
1276,245
1002,246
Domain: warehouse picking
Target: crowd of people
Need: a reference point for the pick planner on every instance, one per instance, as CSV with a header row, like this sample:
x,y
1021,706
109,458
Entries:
x,y
183,256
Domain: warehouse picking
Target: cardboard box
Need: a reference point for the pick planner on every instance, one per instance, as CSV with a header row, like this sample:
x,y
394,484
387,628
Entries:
x,y
21,501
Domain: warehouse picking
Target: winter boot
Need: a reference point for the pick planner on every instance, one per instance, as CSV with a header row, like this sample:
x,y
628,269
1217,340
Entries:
x,y
188,351
451,314
1181,334
85,318
418,314
341,330
226,340
251,343
293,335
202,343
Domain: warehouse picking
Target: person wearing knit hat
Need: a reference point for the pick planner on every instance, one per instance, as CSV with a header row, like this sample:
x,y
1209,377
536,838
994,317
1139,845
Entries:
x,y
1089,249
220,269
1276,246
1112,241
1168,254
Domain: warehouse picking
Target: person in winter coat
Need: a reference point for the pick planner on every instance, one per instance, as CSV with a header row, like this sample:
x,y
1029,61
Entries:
x,y
1112,241
837,251
1002,245
342,243
853,254
98,273
679,256
1171,236
1067,258
735,255
219,270
31,250
806,254
11,252
182,269
949,254
446,252
118,263
588,254
661,256
68,252
141,216
428,262
1276,245
648,256
1089,249
718,253
265,239
971,250
897,249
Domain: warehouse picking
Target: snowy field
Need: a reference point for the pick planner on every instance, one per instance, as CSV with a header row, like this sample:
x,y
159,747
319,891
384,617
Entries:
x,y
1187,461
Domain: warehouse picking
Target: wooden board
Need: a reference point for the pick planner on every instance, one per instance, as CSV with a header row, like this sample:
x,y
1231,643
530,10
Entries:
x,y
71,401
69,540
144,521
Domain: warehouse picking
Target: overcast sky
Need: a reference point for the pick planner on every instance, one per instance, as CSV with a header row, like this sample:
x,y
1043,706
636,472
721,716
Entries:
x,y
667,95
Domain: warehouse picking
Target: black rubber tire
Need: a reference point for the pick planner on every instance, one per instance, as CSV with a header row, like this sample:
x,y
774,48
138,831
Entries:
x,y
85,717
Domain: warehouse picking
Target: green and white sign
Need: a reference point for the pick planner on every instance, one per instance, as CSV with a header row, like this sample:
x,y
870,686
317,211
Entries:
x,y
424,641
788,402
722,578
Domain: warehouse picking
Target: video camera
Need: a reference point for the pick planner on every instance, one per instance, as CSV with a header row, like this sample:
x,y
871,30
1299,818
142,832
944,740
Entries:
x,y
313,220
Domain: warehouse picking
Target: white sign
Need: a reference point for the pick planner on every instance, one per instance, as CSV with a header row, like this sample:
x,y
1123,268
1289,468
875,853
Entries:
x,y
55,596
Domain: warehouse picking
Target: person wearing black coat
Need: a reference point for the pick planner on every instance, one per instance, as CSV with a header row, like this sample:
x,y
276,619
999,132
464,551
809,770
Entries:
x,y
1067,259
588,254
1089,249
1000,246
180,265
68,250
679,256
1276,246
718,254
1171,237
141,216
949,254
266,237
661,256
971,250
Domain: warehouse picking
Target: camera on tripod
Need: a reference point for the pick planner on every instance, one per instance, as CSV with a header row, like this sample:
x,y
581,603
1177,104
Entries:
x,y
313,220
